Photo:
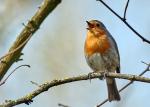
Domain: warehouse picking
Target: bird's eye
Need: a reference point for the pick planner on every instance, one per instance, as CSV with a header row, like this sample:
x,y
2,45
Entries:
x,y
97,25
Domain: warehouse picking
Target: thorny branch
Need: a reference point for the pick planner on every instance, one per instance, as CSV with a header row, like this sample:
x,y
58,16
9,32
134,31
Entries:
x,y
44,87
129,83
124,21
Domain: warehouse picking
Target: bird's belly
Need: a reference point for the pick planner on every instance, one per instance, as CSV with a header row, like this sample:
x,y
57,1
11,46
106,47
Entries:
x,y
96,62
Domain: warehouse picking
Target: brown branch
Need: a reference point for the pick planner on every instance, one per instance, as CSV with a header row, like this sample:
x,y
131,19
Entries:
x,y
129,83
125,22
31,27
44,87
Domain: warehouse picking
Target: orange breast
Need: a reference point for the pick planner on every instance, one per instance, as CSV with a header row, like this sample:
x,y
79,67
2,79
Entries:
x,y
95,44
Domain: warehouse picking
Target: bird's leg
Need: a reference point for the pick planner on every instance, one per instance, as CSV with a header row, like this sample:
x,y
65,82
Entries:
x,y
89,75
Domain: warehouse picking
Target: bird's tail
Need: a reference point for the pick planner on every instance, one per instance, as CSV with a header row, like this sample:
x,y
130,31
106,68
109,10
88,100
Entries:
x,y
113,93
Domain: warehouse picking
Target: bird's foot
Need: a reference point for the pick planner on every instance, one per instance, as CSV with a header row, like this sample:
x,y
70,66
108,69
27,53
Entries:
x,y
103,75
28,101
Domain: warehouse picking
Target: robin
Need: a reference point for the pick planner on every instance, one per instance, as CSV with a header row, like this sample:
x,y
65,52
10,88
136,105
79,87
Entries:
x,y
102,55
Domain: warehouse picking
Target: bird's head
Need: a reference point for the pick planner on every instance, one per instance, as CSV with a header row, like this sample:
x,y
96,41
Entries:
x,y
96,27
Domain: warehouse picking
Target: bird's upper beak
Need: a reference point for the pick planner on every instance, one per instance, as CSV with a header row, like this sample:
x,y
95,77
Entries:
x,y
90,25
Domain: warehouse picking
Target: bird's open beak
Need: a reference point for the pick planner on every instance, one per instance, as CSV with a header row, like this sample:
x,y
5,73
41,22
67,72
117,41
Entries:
x,y
89,25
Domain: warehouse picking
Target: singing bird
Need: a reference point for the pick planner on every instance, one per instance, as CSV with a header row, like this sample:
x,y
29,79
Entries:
x,y
102,55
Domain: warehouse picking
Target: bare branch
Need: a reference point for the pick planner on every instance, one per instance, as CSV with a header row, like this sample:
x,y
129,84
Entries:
x,y
111,9
125,22
3,82
125,11
44,87
31,27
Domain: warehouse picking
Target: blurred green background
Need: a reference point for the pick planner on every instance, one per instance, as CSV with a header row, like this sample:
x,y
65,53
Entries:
x,y
56,51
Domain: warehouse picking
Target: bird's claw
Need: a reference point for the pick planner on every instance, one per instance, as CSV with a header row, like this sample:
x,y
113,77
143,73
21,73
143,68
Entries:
x,y
29,102
103,75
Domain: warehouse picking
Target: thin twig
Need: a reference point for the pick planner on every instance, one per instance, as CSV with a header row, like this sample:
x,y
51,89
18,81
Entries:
x,y
129,83
35,83
146,64
125,11
62,105
125,22
44,87
3,82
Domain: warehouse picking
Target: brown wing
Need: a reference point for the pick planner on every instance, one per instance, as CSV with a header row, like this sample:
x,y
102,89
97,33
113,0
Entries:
x,y
116,47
